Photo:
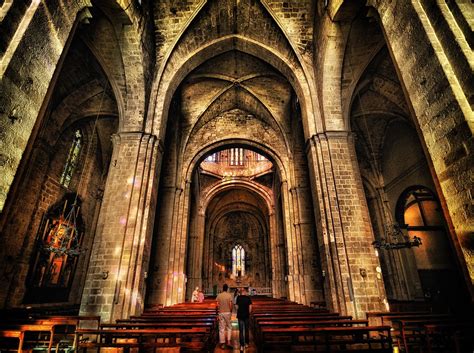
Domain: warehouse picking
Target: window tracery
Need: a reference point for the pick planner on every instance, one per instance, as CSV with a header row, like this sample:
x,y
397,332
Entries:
x,y
72,159
238,261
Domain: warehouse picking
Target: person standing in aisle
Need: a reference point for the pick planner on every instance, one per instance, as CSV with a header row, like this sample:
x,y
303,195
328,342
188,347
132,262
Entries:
x,y
224,304
244,308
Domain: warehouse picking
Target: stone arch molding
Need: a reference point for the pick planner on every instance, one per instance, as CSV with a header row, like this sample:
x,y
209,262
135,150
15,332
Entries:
x,y
254,145
165,85
239,184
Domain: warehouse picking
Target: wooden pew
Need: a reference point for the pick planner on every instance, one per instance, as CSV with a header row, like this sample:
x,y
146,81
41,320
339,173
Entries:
x,y
397,330
165,324
327,339
254,317
26,334
181,312
410,331
377,317
455,337
276,318
165,318
190,339
304,323
60,330
210,326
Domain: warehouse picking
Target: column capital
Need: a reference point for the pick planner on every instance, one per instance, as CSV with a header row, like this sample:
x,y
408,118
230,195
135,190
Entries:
x,y
328,135
137,136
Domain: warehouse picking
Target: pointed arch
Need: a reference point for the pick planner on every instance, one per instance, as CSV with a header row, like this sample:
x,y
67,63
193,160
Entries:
x,y
172,77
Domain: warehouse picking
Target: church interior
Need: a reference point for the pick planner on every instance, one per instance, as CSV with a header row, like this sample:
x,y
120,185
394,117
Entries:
x,y
316,152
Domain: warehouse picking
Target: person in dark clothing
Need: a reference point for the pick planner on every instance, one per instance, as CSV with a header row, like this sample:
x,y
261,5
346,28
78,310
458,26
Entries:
x,y
244,308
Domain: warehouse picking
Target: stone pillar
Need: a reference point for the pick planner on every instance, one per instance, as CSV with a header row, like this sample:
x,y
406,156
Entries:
x,y
303,228
277,260
173,265
432,61
196,250
295,278
345,235
115,283
403,273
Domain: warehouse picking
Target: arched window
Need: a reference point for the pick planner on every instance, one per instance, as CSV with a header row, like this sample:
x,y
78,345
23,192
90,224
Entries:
x,y
72,159
259,157
238,261
213,157
236,156
419,212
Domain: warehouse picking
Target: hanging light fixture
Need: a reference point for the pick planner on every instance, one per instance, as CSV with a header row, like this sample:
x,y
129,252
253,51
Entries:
x,y
393,231
65,236
63,233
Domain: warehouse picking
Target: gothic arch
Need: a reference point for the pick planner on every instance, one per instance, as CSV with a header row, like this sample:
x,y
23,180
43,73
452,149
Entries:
x,y
168,85
268,151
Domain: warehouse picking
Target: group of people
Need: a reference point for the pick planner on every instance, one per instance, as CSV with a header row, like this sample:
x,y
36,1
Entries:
x,y
225,304
197,296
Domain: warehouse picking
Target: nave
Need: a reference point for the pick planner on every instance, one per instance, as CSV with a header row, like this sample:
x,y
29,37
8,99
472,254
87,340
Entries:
x,y
277,325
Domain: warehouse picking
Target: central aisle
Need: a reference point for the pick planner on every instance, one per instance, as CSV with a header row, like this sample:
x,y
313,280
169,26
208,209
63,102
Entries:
x,y
235,340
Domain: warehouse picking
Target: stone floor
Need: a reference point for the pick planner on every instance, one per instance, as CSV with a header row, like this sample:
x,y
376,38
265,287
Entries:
x,y
235,341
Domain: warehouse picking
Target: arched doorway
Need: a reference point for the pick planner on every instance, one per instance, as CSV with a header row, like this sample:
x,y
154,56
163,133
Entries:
x,y
235,186
222,114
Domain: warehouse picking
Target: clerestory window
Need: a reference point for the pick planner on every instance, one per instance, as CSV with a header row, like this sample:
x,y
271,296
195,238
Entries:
x,y
72,159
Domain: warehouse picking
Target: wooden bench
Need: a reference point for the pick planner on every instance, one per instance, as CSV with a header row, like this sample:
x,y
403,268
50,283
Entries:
x,y
144,319
254,317
255,323
209,326
327,339
410,331
190,339
23,335
180,311
378,317
304,323
455,337
57,331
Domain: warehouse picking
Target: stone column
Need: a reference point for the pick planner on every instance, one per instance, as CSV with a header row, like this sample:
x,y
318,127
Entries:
x,y
175,272
196,249
307,245
115,283
295,278
403,273
432,58
345,235
277,263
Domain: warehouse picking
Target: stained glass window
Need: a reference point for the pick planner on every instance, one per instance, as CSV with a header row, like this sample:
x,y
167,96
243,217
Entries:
x,y
238,261
72,159
212,157
259,157
236,156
